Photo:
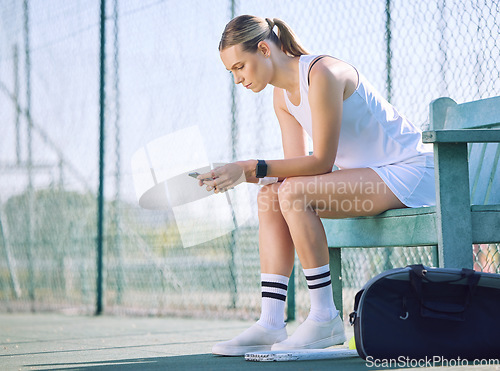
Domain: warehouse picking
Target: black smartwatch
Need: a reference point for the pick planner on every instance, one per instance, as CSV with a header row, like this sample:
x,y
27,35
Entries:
x,y
261,169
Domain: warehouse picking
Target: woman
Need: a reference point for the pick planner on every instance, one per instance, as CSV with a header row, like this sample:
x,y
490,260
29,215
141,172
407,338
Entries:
x,y
382,162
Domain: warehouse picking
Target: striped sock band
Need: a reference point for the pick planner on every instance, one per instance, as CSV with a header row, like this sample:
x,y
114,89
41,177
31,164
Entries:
x,y
274,288
319,283
319,280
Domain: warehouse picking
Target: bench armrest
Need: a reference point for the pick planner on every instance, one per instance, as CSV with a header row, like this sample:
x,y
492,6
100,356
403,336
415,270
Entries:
x,y
462,136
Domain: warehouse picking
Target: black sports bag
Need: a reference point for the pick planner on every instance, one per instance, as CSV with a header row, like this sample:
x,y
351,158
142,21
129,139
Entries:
x,y
420,313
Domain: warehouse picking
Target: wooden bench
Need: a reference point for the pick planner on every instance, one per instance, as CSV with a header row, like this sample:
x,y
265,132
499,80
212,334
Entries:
x,y
467,211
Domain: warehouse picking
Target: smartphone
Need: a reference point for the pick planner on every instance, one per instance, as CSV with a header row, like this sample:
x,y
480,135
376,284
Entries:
x,y
195,175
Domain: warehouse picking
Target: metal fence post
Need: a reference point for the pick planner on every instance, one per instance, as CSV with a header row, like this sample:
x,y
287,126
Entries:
x,y
29,138
388,52
100,196
234,140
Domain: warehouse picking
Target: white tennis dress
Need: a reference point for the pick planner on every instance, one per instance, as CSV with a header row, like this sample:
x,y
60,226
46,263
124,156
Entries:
x,y
374,135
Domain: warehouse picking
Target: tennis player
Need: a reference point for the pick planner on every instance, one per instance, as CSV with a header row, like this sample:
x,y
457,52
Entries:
x,y
382,164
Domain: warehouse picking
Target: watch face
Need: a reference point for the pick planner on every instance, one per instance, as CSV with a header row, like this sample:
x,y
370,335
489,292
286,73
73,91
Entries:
x,y
261,169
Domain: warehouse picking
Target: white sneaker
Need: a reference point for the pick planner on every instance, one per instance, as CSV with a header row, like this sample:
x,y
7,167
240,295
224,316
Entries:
x,y
314,335
253,339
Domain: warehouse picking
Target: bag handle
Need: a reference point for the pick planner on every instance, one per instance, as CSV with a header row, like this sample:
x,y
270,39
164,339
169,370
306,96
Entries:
x,y
441,310
353,315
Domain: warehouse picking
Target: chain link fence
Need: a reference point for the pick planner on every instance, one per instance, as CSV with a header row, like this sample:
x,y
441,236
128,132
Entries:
x,y
163,74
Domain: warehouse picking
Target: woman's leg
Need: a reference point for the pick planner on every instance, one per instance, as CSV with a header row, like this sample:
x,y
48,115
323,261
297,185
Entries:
x,y
277,258
340,194
289,218
303,200
276,248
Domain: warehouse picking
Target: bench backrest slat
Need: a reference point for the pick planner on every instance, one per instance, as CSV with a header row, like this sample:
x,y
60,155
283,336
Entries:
x,y
484,164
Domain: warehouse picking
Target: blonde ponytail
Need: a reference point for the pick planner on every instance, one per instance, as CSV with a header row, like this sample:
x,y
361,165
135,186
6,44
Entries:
x,y
249,30
290,43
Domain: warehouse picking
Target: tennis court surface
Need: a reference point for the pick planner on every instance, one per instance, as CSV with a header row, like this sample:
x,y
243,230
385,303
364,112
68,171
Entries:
x,y
61,342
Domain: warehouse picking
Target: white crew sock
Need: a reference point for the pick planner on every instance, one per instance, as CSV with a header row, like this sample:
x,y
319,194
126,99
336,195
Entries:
x,y
274,288
320,291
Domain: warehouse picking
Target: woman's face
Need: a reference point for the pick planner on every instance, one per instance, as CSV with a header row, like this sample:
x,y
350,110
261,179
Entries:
x,y
252,70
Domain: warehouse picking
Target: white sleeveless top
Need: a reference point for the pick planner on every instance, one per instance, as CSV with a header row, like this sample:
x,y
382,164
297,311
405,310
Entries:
x,y
372,133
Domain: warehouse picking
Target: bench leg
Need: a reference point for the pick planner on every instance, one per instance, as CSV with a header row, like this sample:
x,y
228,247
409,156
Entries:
x,y
336,273
453,208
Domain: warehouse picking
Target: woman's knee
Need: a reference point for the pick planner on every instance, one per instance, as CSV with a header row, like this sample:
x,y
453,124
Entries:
x,y
292,195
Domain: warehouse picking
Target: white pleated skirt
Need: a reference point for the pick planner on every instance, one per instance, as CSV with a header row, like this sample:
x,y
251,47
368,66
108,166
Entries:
x,y
412,181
